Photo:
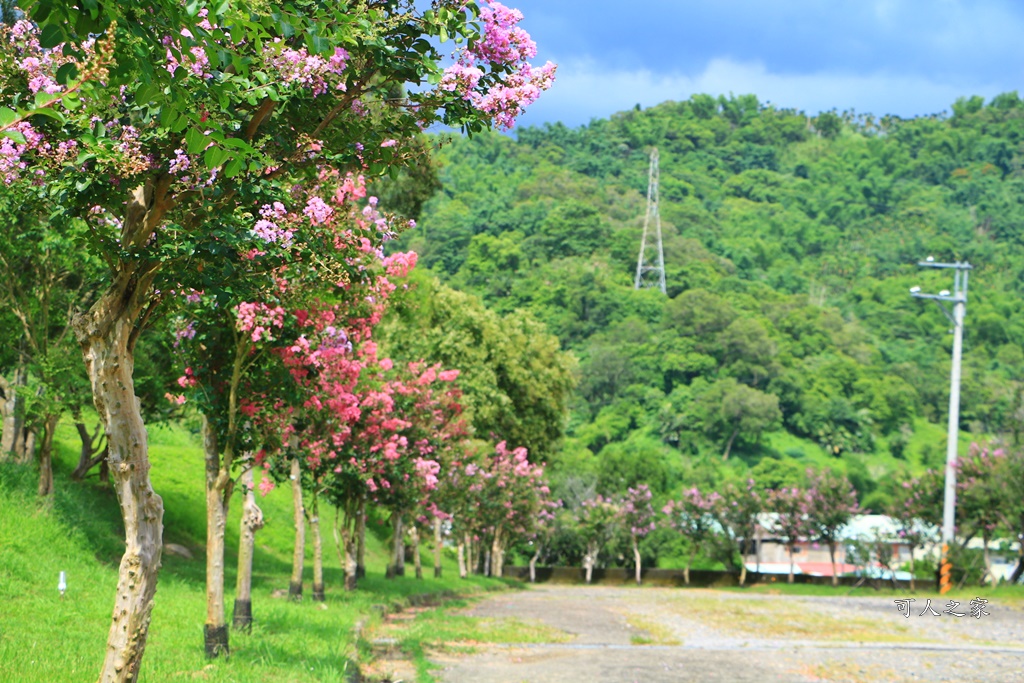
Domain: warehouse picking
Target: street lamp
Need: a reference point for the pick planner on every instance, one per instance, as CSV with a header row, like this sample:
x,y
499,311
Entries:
x,y
959,300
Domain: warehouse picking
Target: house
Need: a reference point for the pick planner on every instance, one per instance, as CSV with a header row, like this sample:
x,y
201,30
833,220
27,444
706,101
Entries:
x,y
770,555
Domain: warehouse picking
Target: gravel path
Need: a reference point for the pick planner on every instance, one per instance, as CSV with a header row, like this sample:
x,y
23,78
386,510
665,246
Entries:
x,y
671,635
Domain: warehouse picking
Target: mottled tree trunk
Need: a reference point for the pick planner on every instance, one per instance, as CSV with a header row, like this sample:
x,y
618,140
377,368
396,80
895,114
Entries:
x,y
414,533
12,441
106,336
45,489
438,545
498,553
318,552
344,539
636,560
397,546
487,561
460,551
252,521
686,569
589,559
361,539
533,566
215,630
728,446
299,556
988,577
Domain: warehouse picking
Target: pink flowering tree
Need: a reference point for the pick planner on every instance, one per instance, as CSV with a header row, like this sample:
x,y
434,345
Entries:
x,y
638,520
791,506
511,500
167,127
833,502
693,517
228,335
916,508
737,513
543,529
981,498
598,520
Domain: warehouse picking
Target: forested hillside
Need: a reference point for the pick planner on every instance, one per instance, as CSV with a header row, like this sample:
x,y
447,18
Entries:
x,y
788,332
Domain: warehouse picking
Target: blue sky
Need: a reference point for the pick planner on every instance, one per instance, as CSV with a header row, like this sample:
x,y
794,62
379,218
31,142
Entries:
x,y
903,57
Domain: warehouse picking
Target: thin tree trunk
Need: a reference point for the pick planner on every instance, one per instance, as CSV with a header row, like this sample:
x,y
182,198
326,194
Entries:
x,y
106,335
12,440
437,547
471,567
45,489
215,630
790,563
318,552
987,557
533,565
414,533
299,556
589,558
636,560
686,569
460,551
832,557
913,587
743,570
487,562
397,566
88,456
252,521
361,539
728,445
497,554
345,541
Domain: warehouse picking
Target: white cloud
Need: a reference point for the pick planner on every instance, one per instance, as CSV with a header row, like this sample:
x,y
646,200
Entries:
x,y
584,90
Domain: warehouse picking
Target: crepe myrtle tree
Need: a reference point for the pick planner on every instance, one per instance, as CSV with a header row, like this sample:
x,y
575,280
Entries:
x,y
155,120
693,516
737,513
916,509
791,506
228,335
832,502
638,518
598,521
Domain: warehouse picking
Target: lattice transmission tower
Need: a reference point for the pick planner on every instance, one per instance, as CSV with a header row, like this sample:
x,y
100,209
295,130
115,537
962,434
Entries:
x,y
650,265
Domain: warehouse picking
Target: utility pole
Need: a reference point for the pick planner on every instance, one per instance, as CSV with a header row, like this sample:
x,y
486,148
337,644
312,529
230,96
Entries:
x,y
958,298
650,267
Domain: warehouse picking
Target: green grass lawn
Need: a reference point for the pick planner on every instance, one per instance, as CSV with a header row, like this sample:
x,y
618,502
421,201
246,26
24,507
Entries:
x,y
45,639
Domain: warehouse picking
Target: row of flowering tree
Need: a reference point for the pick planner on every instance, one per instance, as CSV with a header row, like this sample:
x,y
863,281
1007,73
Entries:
x,y
722,523
188,137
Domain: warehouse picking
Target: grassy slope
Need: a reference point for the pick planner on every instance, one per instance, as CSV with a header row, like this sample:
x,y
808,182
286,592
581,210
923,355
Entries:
x,y
45,639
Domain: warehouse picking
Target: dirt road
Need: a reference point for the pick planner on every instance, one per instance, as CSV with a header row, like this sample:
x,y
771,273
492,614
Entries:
x,y
671,635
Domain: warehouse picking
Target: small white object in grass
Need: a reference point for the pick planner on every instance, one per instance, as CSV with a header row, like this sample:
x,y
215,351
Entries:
x,y
62,583
930,259
944,292
915,290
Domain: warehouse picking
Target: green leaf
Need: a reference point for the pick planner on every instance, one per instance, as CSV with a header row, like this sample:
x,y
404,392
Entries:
x,y
51,37
67,73
238,143
15,135
214,156
7,116
45,98
234,167
49,113
195,140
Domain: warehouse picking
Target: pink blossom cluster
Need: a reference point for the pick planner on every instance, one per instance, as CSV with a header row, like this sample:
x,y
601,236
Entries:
x,y
258,319
505,46
12,153
311,71
269,229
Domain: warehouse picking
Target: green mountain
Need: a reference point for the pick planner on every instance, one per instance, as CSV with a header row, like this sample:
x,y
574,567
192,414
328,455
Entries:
x,y
787,333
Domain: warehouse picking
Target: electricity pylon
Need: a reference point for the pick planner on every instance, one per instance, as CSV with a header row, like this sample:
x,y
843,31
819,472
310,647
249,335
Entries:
x,y
650,267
